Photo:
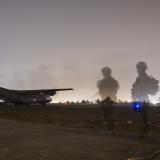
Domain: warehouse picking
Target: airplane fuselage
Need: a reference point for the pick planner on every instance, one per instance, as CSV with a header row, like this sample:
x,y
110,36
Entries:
x,y
26,97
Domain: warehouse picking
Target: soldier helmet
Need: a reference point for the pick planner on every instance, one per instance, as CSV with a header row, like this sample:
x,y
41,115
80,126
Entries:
x,y
106,70
142,65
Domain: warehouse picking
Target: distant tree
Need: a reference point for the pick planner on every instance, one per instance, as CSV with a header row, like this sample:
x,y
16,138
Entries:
x,y
120,101
67,102
88,102
98,101
77,102
83,102
108,100
126,102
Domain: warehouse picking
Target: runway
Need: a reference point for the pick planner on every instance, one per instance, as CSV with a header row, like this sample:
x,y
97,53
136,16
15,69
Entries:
x,y
23,140
73,132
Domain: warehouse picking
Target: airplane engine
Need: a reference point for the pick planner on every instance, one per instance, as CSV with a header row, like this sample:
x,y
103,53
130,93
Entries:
x,y
43,99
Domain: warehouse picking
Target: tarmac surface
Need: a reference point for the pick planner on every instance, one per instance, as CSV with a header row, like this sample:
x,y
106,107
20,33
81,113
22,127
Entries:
x,y
23,140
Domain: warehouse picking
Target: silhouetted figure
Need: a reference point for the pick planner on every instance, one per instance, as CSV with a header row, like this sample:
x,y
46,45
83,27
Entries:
x,y
107,107
108,86
142,108
143,87
144,116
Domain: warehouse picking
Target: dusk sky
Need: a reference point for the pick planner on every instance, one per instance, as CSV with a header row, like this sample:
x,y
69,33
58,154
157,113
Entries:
x,y
66,43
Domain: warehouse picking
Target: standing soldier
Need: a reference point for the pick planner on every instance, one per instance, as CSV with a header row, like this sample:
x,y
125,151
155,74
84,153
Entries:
x,y
108,88
143,87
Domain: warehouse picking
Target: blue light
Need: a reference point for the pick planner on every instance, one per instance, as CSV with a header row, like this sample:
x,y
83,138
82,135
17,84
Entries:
x,y
137,105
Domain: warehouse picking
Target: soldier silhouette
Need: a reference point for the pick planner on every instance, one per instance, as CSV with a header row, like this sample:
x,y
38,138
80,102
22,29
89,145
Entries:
x,y
143,87
108,88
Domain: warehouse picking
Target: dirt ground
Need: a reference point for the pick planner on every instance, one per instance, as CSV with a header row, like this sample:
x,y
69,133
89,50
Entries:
x,y
23,140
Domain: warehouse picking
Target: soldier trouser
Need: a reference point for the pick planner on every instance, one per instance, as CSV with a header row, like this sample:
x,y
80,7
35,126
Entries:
x,y
108,113
144,116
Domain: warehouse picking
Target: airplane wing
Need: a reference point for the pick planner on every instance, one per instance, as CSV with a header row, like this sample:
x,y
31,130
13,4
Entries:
x,y
49,92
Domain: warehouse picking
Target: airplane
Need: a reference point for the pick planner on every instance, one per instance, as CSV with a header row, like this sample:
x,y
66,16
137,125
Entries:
x,y
27,97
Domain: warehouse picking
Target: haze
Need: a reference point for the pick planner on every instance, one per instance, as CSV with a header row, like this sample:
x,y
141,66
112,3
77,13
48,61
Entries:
x,y
65,43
